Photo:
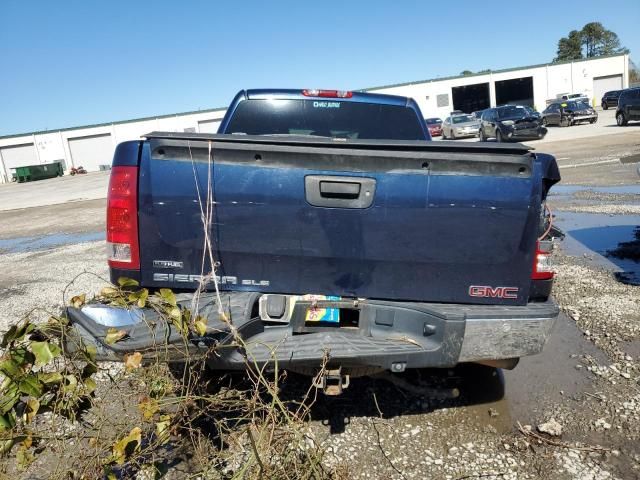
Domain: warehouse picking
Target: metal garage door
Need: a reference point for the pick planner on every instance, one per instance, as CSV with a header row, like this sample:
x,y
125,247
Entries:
x,y
208,126
18,156
92,151
601,85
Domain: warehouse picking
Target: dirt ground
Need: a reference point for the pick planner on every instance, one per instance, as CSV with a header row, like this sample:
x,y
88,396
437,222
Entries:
x,y
587,379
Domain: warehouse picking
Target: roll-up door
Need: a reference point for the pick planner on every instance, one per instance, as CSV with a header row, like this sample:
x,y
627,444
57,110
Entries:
x,y
92,152
17,156
208,126
602,85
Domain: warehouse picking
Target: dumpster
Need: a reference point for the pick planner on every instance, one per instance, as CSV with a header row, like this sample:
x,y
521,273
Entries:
x,y
30,173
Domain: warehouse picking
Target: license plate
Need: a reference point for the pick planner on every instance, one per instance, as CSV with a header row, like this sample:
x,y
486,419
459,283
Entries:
x,y
324,315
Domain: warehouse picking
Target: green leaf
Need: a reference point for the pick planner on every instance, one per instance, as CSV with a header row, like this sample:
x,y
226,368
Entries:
x,y
50,378
127,446
10,367
5,446
16,333
127,282
44,352
139,297
9,395
22,356
33,405
148,407
168,296
114,335
142,300
174,314
89,386
90,353
7,422
24,458
200,326
30,385
89,369
70,384
162,428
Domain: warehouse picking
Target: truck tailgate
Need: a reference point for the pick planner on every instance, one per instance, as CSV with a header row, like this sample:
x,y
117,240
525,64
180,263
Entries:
x,y
413,221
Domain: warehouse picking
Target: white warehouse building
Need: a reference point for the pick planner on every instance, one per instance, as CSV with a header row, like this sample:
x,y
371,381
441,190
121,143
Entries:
x,y
92,146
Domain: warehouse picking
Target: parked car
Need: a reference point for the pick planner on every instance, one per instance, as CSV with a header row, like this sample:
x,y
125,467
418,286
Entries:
x,y
460,125
511,123
569,113
572,96
478,114
628,106
298,214
434,125
610,99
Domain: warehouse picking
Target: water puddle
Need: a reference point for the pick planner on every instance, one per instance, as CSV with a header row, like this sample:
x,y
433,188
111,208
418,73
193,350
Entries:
x,y
543,380
34,244
609,240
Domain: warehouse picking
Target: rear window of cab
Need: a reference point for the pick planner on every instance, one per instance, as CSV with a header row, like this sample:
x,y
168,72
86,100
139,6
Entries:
x,y
325,118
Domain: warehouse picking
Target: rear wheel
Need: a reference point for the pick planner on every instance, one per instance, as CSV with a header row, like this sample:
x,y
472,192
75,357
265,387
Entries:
x,y
621,120
604,105
498,136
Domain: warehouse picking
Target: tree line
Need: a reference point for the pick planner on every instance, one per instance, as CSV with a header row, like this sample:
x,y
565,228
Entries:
x,y
593,40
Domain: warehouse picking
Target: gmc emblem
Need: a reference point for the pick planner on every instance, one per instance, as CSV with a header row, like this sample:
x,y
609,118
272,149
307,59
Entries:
x,y
485,291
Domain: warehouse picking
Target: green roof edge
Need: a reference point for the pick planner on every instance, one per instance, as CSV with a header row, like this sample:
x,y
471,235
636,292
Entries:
x,y
502,70
120,122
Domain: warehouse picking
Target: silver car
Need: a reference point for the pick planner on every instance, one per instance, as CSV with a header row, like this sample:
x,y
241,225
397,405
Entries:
x,y
458,126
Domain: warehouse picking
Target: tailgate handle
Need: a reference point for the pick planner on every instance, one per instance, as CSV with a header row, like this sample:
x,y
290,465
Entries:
x,y
340,189
334,191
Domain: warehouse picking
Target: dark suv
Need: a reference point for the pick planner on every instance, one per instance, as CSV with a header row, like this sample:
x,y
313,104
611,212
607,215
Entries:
x,y
511,123
628,106
610,99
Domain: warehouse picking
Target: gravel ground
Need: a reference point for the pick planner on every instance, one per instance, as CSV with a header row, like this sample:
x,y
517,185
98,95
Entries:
x,y
590,201
623,209
35,281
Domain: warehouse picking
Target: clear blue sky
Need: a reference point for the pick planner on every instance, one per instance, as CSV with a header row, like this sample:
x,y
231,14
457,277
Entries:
x,y
68,63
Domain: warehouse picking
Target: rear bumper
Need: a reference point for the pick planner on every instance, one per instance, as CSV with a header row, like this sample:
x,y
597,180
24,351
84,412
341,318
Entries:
x,y
526,133
467,133
581,118
389,335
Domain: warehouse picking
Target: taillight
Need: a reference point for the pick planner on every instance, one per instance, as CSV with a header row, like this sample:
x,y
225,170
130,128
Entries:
x,y
122,218
327,93
542,262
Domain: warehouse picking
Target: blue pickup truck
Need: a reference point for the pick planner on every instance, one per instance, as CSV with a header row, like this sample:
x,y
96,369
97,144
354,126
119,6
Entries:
x,y
330,226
